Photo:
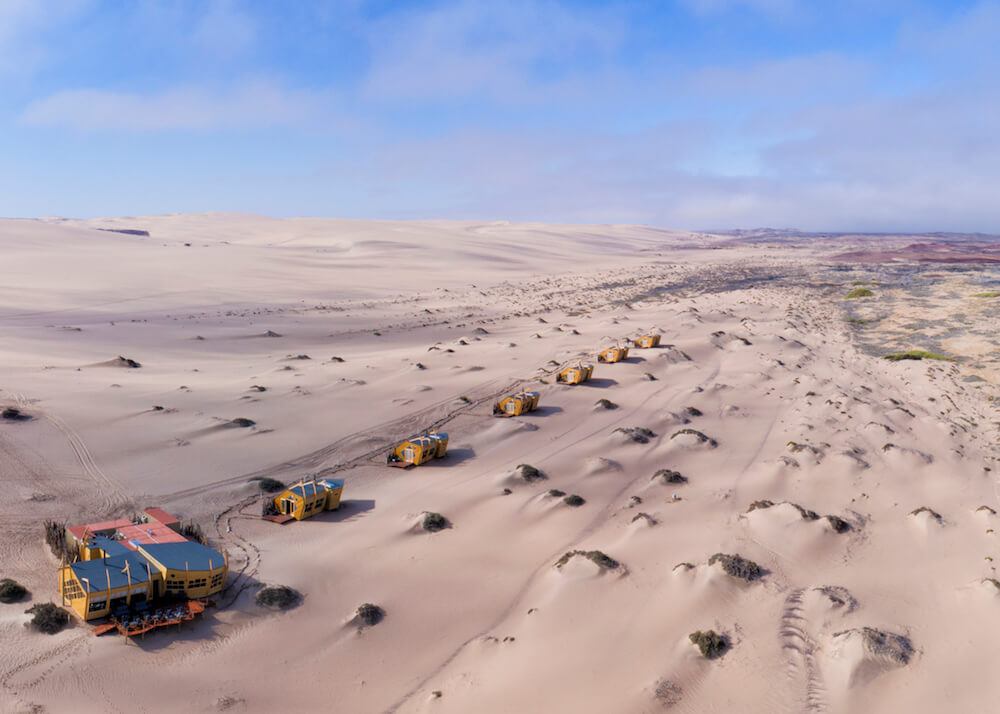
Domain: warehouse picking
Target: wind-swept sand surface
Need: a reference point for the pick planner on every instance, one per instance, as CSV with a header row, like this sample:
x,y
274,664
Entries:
x,y
864,490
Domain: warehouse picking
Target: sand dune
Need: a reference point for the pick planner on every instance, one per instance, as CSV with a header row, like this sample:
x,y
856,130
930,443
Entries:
x,y
557,561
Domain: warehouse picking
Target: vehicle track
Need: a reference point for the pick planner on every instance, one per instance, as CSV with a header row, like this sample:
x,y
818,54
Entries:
x,y
800,653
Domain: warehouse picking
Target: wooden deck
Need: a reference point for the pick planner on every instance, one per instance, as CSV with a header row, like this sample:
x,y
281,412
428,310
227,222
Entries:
x,y
160,617
279,519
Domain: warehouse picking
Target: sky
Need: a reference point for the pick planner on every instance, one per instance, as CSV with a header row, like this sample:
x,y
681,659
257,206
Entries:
x,y
700,114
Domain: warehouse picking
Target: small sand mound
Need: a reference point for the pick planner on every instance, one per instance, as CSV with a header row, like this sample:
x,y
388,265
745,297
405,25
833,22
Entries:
x,y
666,476
867,652
604,404
693,437
913,456
927,515
121,361
635,434
598,558
644,519
242,423
527,472
600,465
672,355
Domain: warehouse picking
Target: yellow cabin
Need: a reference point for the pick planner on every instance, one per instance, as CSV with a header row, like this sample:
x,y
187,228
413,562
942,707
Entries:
x,y
647,341
517,404
576,374
121,579
307,498
418,450
612,354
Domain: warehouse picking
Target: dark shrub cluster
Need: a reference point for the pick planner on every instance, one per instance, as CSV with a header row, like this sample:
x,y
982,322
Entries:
x,y
11,591
278,597
710,643
48,617
737,566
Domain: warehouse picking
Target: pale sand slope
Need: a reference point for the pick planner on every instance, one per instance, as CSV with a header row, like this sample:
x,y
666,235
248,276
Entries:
x,y
479,619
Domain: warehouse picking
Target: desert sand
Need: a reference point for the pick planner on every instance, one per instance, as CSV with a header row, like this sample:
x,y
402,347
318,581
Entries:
x,y
865,490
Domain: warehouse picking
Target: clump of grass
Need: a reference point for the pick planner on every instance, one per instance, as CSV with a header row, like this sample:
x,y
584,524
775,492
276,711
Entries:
x,y
556,493
574,500
858,293
929,511
638,434
278,597
598,558
266,483
669,476
369,615
710,643
738,567
434,522
987,294
917,355
763,503
11,591
838,524
701,437
529,473
464,399
48,617
242,422
605,404
644,517
693,412
989,510
14,414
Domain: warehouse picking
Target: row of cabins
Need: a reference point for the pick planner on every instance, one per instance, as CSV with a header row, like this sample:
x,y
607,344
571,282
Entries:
x,y
582,372
129,563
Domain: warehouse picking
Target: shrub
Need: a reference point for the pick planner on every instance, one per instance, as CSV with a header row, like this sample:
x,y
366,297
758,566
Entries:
x,y
763,503
14,414
127,362
605,404
11,591
644,517
859,293
601,560
266,483
693,412
838,524
556,493
574,500
710,643
368,615
737,566
434,522
278,597
702,438
193,531
243,422
929,511
638,434
529,473
48,617
917,355
669,476
987,294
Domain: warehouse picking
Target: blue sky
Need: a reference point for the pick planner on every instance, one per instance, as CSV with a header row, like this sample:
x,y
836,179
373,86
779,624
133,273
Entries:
x,y
849,115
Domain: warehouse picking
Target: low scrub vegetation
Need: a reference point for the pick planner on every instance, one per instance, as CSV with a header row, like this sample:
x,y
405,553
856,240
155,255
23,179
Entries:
x,y
11,591
434,522
917,355
858,293
574,500
278,597
369,615
266,483
598,558
529,473
710,643
48,617
738,567
669,476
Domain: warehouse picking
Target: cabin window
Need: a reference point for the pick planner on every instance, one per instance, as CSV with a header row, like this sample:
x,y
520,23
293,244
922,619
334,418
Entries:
x,y
97,605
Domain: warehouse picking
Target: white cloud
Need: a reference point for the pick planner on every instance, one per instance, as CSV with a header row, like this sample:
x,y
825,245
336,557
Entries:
x,y
248,106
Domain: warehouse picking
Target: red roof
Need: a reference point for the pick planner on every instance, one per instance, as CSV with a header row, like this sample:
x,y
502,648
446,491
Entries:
x,y
93,528
161,516
156,531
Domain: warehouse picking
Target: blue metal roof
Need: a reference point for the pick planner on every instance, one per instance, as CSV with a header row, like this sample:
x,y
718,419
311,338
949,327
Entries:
x,y
331,484
183,556
302,490
95,575
110,546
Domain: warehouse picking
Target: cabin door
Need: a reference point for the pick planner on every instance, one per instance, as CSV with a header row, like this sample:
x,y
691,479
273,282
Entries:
x,y
288,507
409,455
